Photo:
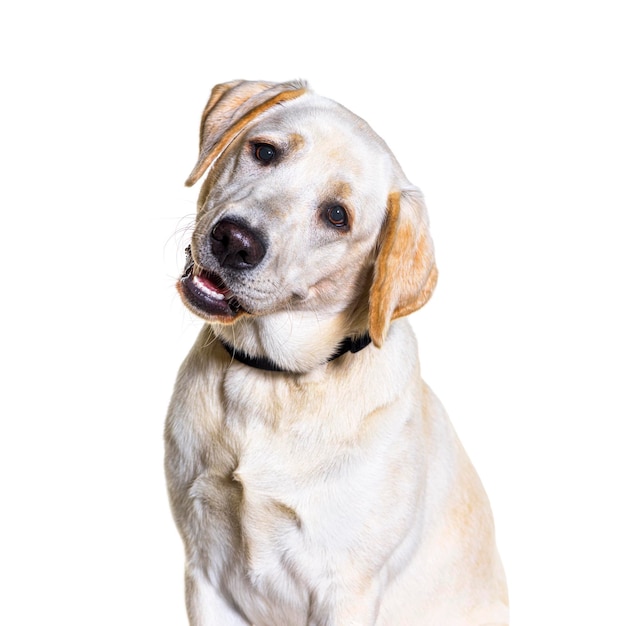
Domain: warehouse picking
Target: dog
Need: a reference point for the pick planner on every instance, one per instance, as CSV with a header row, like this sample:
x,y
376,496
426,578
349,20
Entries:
x,y
313,476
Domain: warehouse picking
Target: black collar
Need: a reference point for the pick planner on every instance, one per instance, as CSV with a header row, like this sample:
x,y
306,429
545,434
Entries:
x,y
349,344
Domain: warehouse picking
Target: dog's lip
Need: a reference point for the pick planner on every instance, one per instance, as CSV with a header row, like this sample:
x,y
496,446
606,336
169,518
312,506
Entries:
x,y
205,293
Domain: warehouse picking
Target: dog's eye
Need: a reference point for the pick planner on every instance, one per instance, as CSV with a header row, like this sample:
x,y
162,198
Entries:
x,y
264,152
337,216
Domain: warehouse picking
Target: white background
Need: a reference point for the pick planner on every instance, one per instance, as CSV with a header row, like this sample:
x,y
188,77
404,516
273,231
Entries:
x,y
507,115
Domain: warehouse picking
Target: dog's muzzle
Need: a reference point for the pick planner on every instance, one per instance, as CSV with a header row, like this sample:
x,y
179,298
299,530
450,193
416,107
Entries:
x,y
233,246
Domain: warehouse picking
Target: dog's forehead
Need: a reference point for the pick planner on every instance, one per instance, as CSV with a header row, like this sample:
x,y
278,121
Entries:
x,y
326,125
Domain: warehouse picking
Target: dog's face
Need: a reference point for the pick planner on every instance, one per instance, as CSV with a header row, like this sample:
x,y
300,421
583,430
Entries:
x,y
294,211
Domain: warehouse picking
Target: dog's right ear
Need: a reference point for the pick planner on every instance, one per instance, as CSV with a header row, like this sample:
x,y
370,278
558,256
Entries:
x,y
231,107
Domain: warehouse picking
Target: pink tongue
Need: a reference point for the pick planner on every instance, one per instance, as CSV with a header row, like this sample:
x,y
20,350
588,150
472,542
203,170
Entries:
x,y
203,279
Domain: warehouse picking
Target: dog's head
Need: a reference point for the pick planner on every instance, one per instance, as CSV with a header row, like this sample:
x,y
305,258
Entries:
x,y
304,208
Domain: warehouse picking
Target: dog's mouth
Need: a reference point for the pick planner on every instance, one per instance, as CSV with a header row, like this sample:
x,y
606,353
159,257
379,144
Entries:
x,y
206,294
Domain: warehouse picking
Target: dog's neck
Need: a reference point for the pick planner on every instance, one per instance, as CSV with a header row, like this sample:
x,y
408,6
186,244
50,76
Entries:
x,y
290,343
349,344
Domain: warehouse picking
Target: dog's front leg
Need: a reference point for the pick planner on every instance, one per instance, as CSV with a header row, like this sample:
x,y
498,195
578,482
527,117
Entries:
x,y
205,606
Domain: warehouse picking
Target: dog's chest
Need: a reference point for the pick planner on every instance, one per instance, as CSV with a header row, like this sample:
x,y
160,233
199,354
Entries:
x,y
275,457
285,497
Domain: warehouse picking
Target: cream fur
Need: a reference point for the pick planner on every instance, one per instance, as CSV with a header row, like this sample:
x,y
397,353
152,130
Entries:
x,y
336,494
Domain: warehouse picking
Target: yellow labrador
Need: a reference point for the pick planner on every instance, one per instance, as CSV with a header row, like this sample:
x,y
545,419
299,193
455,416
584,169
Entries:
x,y
315,479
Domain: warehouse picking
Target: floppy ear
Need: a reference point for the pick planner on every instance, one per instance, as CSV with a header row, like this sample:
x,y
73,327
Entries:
x,y
231,107
405,272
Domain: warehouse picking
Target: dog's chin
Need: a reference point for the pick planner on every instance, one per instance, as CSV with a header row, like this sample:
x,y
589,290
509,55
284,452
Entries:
x,y
205,294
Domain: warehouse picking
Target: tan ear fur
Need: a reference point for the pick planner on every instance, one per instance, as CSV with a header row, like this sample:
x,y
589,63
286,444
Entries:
x,y
405,271
230,108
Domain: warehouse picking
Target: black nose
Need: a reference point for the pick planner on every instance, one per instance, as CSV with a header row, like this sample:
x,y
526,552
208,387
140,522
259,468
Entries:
x,y
236,246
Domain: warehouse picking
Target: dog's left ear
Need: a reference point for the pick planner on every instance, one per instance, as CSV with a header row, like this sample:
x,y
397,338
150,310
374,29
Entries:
x,y
230,108
405,271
